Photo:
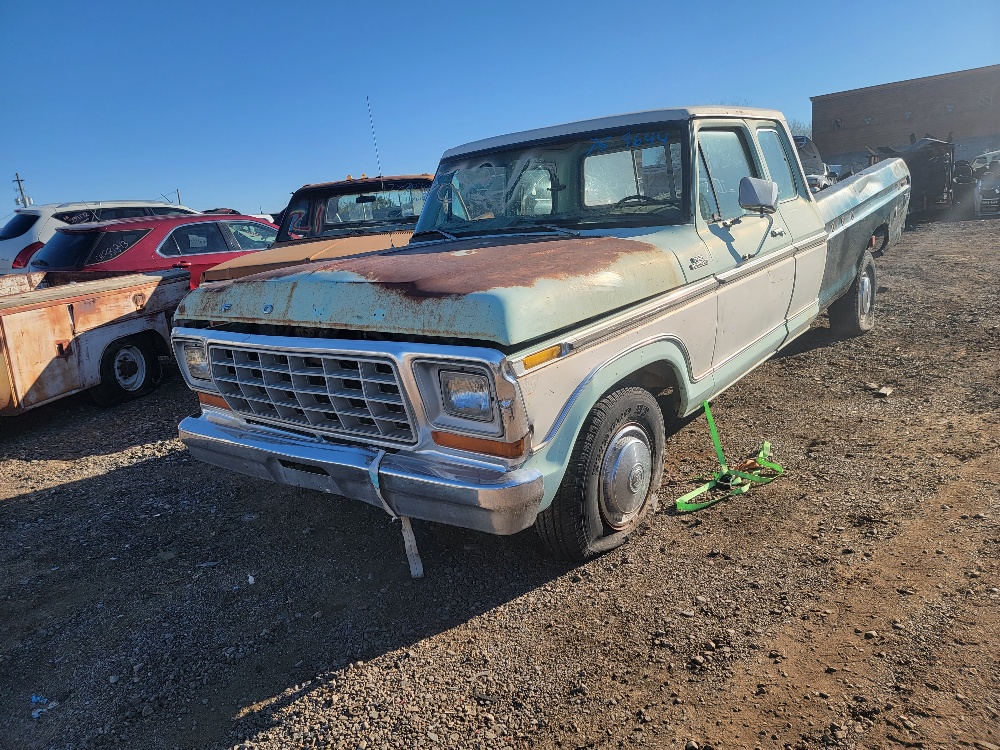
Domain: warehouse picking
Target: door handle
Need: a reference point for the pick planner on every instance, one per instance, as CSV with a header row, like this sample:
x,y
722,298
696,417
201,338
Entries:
x,y
181,264
777,232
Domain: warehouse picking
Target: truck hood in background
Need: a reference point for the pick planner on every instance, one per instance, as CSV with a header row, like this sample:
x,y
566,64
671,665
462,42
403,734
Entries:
x,y
293,253
507,290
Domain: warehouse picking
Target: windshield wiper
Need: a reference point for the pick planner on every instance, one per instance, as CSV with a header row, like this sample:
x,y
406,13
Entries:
x,y
559,230
643,199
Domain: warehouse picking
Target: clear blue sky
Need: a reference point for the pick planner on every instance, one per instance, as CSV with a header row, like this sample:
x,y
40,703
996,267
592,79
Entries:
x,y
238,104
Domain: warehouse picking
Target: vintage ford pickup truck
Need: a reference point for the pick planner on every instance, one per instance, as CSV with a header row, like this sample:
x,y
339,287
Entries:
x,y
565,289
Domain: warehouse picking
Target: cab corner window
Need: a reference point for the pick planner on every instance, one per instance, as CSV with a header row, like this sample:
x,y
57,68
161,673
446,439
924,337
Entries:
x,y
727,161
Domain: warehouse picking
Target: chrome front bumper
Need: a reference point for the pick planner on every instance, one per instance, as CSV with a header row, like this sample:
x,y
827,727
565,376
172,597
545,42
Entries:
x,y
451,493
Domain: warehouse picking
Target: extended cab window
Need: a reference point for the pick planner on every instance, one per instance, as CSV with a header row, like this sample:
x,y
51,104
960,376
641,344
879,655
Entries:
x,y
196,239
777,161
727,160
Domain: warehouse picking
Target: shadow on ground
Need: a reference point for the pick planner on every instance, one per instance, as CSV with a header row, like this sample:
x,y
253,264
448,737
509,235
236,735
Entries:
x,y
130,592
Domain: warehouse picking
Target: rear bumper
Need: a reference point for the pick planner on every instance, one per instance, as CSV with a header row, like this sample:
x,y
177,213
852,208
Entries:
x,y
451,493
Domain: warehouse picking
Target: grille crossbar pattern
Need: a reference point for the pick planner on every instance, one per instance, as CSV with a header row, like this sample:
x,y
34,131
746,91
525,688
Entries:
x,y
336,394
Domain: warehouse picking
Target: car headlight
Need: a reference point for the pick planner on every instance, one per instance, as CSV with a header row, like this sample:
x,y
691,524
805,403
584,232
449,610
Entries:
x,y
196,361
466,395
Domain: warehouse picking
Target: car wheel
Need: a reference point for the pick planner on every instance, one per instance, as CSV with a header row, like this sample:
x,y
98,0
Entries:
x,y
129,369
611,480
854,313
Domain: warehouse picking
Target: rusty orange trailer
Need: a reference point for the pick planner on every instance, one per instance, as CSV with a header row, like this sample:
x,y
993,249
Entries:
x,y
106,335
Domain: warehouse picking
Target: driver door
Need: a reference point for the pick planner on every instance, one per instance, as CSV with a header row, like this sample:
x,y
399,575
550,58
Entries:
x,y
754,253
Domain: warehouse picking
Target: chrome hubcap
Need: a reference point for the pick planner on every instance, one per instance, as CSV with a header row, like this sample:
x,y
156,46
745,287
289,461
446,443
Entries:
x,y
865,296
626,471
130,368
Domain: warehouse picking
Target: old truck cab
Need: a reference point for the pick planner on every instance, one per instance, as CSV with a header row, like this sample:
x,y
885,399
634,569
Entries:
x,y
564,290
336,219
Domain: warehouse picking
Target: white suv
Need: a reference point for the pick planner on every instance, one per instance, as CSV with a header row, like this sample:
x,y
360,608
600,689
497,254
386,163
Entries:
x,y
31,227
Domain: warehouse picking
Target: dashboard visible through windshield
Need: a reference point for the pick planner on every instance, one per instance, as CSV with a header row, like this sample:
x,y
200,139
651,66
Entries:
x,y
627,177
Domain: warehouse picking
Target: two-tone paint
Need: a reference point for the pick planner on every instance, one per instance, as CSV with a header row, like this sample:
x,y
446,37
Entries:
x,y
557,318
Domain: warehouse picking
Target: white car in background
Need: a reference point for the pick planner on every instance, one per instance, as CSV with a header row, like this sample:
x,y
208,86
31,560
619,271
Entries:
x,y
30,228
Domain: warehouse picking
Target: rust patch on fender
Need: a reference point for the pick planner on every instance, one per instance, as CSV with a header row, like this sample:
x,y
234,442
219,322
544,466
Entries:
x,y
469,266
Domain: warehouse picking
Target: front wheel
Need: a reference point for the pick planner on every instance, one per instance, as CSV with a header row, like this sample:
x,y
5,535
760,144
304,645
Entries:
x,y
854,313
129,369
611,480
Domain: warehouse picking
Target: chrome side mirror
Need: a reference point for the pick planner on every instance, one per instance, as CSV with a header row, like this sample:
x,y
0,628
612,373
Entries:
x,y
760,196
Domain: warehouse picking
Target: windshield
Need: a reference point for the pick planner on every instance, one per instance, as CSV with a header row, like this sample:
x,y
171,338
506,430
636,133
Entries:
x,y
633,177
330,213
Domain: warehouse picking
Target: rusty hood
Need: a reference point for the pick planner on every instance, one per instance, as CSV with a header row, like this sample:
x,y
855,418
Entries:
x,y
506,290
282,255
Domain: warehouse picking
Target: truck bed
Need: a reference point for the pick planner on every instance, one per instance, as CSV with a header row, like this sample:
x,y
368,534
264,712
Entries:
x,y
52,339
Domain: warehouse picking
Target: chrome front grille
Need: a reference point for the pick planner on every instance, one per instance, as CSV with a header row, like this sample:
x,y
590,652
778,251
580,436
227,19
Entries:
x,y
331,394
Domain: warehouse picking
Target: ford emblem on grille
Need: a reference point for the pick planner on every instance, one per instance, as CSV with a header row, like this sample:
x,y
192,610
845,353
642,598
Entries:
x,y
267,309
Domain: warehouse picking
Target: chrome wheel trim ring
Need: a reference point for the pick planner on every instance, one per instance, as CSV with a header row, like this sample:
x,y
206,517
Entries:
x,y
625,476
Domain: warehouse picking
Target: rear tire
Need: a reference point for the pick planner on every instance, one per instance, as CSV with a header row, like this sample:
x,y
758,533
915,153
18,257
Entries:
x,y
611,480
130,368
854,313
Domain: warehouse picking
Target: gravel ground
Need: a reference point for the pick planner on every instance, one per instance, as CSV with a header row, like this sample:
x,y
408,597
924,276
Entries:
x,y
149,601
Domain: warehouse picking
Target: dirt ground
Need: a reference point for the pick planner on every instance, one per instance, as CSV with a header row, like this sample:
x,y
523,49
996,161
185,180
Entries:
x,y
149,601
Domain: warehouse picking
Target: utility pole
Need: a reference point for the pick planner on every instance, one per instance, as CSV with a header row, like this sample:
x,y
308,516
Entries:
x,y
24,200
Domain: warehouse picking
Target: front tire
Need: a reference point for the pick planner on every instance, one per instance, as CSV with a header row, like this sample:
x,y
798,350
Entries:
x,y
854,313
129,369
611,480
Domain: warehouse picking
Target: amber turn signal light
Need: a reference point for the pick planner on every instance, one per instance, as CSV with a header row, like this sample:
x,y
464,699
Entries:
x,y
210,399
480,445
533,360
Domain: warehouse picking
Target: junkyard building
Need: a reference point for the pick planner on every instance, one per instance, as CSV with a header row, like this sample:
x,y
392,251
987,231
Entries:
x,y
965,104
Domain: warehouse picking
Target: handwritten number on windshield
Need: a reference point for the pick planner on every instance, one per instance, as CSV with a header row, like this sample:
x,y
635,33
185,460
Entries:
x,y
629,140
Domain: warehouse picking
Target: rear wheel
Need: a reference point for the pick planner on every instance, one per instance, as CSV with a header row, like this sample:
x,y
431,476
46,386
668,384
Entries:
x,y
612,477
854,313
129,369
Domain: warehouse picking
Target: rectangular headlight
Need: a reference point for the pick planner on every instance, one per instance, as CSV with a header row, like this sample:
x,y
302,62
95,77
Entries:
x,y
196,361
466,395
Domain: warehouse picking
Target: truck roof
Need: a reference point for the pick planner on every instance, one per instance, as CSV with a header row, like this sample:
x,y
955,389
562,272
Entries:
x,y
612,121
364,182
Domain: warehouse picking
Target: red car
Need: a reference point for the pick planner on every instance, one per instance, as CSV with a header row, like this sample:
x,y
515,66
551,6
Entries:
x,y
153,243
